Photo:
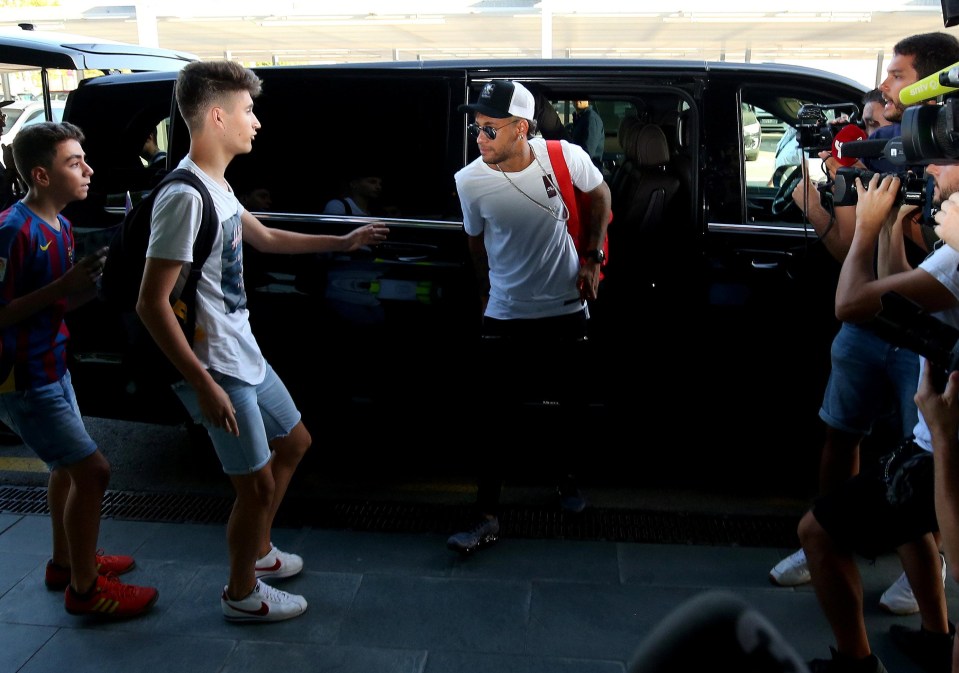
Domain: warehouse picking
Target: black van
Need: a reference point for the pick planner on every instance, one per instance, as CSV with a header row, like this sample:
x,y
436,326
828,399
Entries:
x,y
712,331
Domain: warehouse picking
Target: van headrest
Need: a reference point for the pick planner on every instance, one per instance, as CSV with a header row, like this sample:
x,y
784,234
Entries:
x,y
650,147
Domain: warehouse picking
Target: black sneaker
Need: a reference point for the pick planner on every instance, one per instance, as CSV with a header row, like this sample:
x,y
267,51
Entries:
x,y
486,532
840,663
932,651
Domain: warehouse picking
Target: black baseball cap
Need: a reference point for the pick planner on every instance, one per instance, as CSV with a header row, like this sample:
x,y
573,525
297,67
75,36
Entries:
x,y
501,98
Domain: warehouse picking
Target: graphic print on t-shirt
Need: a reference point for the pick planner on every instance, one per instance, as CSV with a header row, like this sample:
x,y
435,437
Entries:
x,y
231,282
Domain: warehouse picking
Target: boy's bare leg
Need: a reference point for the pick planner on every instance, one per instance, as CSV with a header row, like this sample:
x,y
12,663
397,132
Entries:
x,y
288,452
58,488
835,577
76,499
920,559
249,522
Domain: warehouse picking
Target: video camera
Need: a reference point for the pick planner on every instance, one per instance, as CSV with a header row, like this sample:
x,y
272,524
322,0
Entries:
x,y
913,189
815,132
904,323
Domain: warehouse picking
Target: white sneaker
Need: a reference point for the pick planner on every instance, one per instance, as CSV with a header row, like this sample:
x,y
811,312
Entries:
x,y
278,564
791,571
264,604
898,598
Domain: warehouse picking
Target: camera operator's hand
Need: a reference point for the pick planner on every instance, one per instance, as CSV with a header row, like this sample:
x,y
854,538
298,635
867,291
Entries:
x,y
808,199
832,164
947,221
939,409
875,204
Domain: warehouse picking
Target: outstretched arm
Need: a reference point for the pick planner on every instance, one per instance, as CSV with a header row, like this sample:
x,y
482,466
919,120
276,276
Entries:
x,y
268,239
859,291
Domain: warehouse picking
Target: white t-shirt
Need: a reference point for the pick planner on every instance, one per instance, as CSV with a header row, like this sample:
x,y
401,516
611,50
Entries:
x,y
533,264
224,341
941,265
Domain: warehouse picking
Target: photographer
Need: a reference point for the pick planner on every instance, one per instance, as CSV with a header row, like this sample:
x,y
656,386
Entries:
x,y
871,514
835,225
869,378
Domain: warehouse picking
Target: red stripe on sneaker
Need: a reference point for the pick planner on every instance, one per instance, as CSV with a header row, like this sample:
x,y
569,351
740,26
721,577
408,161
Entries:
x,y
263,611
276,566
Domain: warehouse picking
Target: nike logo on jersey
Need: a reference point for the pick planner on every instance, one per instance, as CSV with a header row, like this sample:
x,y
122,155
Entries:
x,y
44,247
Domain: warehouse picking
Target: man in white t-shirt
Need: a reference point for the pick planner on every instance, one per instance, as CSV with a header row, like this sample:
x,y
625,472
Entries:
x,y
534,287
228,386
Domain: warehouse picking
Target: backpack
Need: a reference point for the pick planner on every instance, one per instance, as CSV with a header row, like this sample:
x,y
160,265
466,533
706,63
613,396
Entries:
x,y
123,272
577,201
347,209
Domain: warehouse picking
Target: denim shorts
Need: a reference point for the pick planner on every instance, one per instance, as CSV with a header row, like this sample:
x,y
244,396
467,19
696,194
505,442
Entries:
x,y
264,412
48,420
870,378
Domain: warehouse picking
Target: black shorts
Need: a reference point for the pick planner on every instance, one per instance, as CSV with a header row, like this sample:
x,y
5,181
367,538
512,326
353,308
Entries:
x,y
860,517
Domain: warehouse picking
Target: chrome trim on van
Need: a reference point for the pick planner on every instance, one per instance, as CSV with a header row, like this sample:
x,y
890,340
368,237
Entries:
x,y
762,229
405,223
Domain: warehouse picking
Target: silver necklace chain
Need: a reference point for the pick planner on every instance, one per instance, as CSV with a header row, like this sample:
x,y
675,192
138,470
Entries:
x,y
563,214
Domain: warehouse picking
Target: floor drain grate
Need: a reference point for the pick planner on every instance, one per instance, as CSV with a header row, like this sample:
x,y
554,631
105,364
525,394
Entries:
x,y
606,524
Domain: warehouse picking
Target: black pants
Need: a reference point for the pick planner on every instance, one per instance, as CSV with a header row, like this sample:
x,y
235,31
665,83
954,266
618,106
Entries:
x,y
533,375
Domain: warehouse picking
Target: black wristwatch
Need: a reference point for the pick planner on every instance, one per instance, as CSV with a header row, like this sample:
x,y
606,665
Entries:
x,y
594,255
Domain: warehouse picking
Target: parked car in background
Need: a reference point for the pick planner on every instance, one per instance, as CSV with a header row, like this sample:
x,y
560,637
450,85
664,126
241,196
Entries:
x,y
25,52
770,123
21,114
710,338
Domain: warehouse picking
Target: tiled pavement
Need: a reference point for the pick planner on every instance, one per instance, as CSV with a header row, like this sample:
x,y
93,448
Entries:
x,y
398,602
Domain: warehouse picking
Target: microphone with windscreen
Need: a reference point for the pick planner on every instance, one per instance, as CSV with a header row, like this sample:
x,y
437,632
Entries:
x,y
849,134
715,626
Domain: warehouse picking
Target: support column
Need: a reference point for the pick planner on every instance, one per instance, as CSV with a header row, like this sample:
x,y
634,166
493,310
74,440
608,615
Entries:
x,y
546,11
146,18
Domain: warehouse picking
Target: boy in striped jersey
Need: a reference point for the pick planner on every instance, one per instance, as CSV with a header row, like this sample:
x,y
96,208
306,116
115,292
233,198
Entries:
x,y
39,282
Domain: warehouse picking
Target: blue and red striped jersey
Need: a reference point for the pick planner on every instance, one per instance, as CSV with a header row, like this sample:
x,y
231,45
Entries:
x,y
33,254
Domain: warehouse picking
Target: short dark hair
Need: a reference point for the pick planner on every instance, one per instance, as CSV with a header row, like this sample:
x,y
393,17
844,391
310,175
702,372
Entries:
x,y
36,145
930,52
202,83
873,96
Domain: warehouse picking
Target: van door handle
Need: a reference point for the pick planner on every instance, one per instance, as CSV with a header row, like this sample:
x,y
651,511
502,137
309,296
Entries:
x,y
764,265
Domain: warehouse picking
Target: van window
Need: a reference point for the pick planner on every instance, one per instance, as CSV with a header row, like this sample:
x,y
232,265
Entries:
x,y
773,159
315,136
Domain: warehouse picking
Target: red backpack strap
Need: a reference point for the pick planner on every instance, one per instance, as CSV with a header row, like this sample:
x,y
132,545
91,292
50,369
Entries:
x,y
561,171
